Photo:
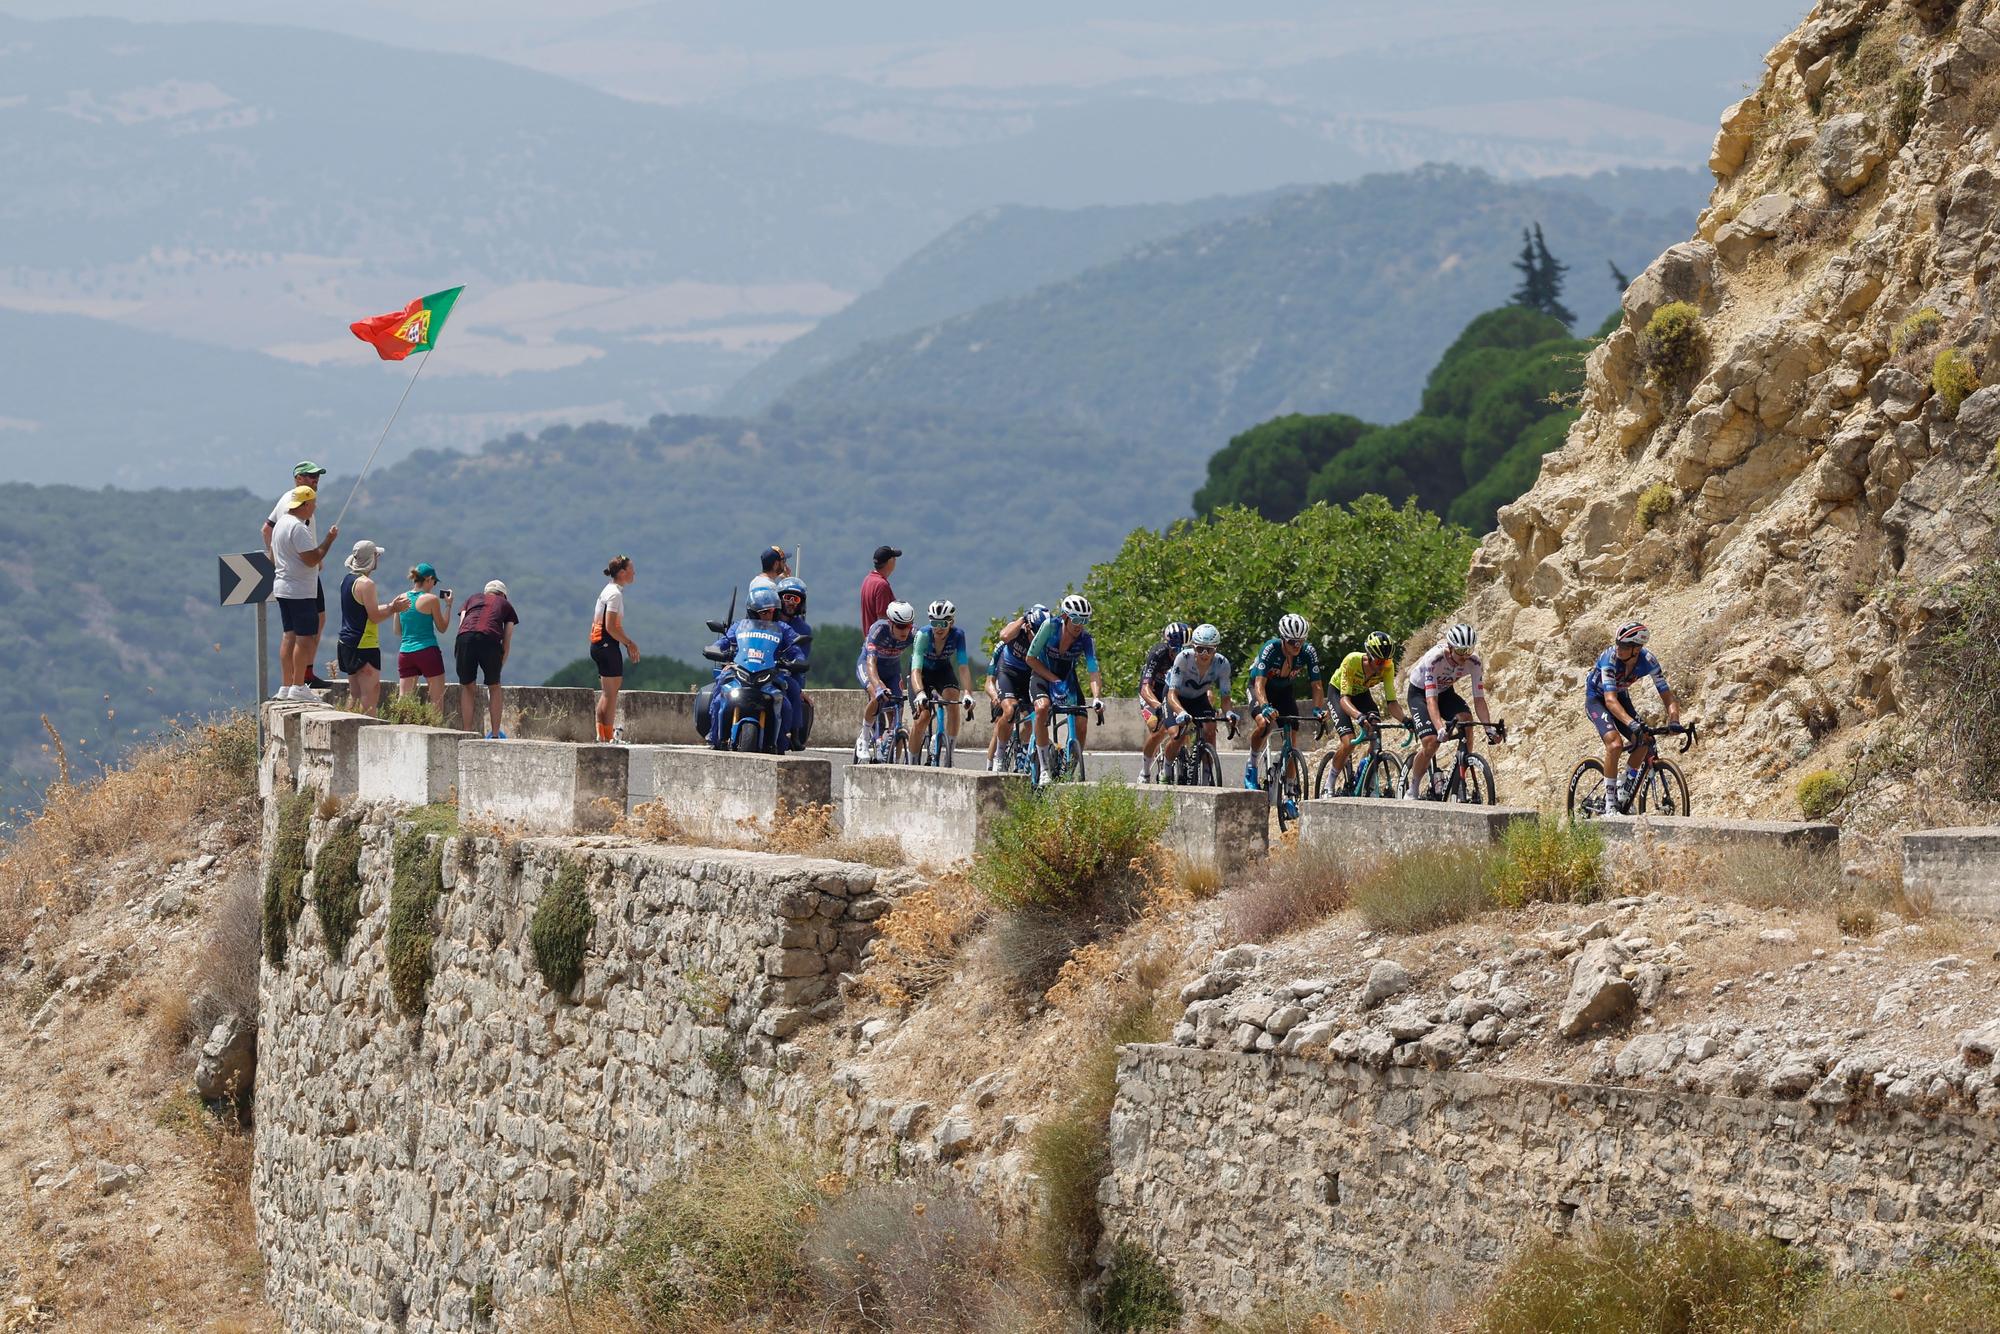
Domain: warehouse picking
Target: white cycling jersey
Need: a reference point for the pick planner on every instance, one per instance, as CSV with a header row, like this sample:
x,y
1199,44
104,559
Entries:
x,y
1436,671
1186,676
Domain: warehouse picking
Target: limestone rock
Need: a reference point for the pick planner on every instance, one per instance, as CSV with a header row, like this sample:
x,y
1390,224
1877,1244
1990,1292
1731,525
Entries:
x,y
1386,978
1977,1046
1760,221
1686,272
1732,140
1848,150
1598,992
227,1065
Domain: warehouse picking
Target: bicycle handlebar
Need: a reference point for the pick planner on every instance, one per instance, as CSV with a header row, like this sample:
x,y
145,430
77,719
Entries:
x,y
1685,731
1286,719
1458,727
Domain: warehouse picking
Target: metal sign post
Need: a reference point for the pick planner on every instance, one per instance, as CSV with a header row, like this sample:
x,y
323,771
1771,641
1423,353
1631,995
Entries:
x,y
246,579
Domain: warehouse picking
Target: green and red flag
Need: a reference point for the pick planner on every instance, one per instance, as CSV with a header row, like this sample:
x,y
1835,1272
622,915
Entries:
x,y
414,328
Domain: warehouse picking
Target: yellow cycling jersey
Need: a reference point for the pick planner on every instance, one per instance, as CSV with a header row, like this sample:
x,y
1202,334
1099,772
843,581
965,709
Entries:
x,y
1352,677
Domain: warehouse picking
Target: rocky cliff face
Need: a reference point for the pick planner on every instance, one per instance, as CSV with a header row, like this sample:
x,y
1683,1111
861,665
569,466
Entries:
x,y
1810,494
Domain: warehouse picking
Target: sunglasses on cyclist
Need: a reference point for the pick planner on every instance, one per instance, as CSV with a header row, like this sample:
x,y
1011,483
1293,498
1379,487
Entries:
x,y
1291,643
1204,650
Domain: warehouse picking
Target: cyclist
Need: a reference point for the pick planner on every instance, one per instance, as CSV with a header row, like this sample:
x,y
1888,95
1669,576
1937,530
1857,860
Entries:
x,y
880,670
1353,693
941,671
1063,640
1153,689
792,611
762,637
1609,706
1010,677
1199,673
1272,674
1433,698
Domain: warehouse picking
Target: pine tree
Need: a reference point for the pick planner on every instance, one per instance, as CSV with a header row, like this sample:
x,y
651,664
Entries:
x,y
1618,278
1551,271
1529,293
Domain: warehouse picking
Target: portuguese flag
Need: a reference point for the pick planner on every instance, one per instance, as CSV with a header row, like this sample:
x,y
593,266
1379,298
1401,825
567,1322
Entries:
x,y
414,328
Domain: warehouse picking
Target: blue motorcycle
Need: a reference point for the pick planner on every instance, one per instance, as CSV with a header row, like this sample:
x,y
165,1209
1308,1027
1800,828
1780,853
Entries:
x,y
745,706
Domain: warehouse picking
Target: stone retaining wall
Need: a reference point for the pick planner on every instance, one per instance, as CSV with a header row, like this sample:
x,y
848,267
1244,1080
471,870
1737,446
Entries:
x,y
1954,871
1247,1175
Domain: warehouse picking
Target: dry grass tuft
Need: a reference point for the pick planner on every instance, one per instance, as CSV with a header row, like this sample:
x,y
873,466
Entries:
x,y
1423,890
223,981
923,937
653,822
1293,889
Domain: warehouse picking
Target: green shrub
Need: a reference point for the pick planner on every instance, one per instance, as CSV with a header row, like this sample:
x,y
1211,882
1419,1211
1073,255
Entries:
x,y
1691,1277
560,931
411,710
1069,846
439,819
1549,861
1958,694
1917,328
337,887
1672,344
1421,890
1137,1294
1953,378
283,901
1906,105
414,891
1655,503
1819,793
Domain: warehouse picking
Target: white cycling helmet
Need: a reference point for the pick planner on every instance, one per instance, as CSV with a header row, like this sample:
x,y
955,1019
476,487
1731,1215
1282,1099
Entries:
x,y
901,613
1291,626
1205,636
1634,632
942,610
1461,638
1077,607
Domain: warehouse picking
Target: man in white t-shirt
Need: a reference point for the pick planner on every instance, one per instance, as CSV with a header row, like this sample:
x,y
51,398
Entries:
x,y
776,566
296,556
304,473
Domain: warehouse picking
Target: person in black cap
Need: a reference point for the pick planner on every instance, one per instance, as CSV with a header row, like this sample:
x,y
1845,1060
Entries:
x,y
776,566
876,595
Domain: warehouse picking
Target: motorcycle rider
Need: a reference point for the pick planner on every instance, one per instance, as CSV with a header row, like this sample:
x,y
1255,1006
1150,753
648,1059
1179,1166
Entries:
x,y
792,611
758,642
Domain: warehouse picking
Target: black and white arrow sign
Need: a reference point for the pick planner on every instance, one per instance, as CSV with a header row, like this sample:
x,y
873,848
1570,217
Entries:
x,y
246,578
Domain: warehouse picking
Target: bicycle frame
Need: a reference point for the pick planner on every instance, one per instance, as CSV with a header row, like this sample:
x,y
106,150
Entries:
x,y
1190,749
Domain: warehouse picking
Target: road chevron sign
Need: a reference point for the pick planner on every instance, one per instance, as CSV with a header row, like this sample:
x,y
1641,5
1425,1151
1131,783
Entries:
x,y
246,578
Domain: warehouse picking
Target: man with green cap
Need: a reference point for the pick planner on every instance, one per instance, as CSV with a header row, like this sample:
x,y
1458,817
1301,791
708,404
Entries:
x,y
304,473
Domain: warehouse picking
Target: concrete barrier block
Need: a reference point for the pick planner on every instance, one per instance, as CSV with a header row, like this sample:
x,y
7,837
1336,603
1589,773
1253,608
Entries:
x,y
1630,836
413,766
935,815
280,770
1955,871
657,717
1220,827
541,787
1357,830
532,713
329,757
712,793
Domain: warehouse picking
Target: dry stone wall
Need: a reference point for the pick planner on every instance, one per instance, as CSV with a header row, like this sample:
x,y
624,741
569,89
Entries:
x,y
1248,1175
405,1163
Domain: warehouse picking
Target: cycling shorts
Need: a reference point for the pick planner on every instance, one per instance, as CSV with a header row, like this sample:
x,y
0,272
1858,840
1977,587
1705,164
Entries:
x,y
1014,682
888,669
609,658
1198,707
1600,717
1278,694
1449,704
1064,691
1365,702
936,682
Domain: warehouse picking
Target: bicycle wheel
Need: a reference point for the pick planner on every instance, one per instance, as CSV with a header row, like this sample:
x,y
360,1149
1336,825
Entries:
x,y
899,751
1381,776
1480,789
1665,791
1073,761
1287,786
1207,772
1331,782
1586,790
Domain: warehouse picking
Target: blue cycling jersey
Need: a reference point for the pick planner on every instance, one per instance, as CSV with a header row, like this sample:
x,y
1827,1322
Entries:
x,y
1048,648
1608,674
758,646
1270,661
1012,652
882,644
939,658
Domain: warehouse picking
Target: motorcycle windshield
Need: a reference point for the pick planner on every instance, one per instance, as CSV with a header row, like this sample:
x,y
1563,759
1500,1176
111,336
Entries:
x,y
756,654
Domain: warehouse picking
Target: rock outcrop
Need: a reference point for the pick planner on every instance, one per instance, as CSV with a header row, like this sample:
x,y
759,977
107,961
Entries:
x,y
1809,496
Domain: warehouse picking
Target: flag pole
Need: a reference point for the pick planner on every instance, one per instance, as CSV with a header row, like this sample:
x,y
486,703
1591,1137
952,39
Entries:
x,y
421,362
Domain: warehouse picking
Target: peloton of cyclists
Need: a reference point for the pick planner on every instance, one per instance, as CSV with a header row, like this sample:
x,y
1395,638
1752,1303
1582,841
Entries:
x,y
1008,680
1152,692
1198,675
942,674
1434,701
1353,693
1608,704
1062,642
1273,672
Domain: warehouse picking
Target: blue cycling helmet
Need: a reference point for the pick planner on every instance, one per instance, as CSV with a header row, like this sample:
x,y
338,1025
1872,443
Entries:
x,y
792,586
1038,614
1176,633
762,599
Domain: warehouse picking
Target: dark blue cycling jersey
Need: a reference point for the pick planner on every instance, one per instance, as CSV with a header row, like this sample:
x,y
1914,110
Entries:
x,y
1609,674
1270,661
1013,651
1059,660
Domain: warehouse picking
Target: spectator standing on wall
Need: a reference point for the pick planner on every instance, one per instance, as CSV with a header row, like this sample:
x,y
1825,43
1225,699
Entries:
x,y
776,566
296,556
485,636
304,473
607,634
876,595
426,612
360,645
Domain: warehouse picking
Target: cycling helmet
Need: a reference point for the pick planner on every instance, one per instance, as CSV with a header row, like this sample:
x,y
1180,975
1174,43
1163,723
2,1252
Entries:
x,y
1378,645
1076,607
1039,610
901,613
1460,638
1634,632
1291,626
942,610
762,599
1037,616
1176,634
791,586
1205,636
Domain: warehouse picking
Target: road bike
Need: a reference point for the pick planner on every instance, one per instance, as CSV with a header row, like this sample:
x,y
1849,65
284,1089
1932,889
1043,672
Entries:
x,y
892,741
1660,789
1016,752
1379,774
1065,750
936,736
1285,775
1468,778
1195,764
